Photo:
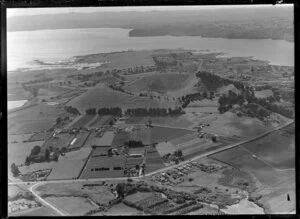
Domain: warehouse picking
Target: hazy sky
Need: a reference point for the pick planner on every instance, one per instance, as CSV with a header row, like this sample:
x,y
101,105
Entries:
x,y
11,12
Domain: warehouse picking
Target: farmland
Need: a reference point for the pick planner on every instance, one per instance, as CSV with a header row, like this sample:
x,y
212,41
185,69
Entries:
x,y
111,98
83,121
160,83
272,168
99,121
256,176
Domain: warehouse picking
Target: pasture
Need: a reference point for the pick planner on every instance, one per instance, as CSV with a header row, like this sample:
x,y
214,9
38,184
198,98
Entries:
x,y
277,148
160,83
83,121
59,141
67,167
100,121
230,125
263,93
74,206
153,160
175,121
36,212
120,59
32,127
102,96
157,134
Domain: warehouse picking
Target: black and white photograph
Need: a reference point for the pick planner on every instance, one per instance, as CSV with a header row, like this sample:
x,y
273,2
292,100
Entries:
x,y
151,110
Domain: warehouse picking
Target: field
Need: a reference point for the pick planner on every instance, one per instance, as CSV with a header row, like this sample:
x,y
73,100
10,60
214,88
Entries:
x,y
80,140
203,106
175,121
83,121
17,153
95,163
41,136
33,127
157,134
98,194
67,167
37,118
229,125
271,165
121,137
277,148
263,93
153,160
74,206
120,209
19,138
120,59
164,148
59,141
160,83
111,98
100,121
36,212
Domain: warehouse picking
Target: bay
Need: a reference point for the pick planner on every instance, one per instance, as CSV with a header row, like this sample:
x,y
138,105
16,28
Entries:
x,y
23,47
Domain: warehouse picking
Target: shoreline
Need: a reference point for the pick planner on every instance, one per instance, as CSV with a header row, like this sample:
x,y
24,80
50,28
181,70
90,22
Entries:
x,y
79,65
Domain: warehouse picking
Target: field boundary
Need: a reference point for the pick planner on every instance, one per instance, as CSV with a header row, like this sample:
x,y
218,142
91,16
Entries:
x,y
209,156
22,108
84,165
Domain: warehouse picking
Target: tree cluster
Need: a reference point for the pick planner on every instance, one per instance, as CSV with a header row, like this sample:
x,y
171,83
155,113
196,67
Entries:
x,y
91,111
15,170
213,81
116,111
134,144
140,69
187,99
227,101
72,110
154,112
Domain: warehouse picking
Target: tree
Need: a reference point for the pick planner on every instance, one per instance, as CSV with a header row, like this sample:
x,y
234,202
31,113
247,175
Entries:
x,y
58,120
214,138
15,170
55,157
27,161
47,155
120,188
63,150
35,150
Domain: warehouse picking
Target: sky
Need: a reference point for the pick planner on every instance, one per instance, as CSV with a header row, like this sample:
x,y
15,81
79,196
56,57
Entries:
x,y
12,12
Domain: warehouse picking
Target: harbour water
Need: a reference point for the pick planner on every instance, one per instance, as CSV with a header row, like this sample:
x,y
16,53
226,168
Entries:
x,y
56,45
